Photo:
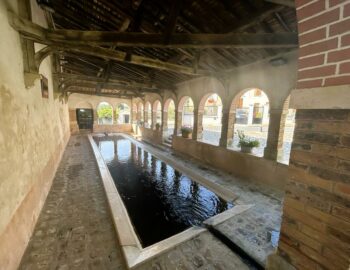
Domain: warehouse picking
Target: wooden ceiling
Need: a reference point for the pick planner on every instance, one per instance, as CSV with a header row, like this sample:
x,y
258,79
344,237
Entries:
x,y
140,46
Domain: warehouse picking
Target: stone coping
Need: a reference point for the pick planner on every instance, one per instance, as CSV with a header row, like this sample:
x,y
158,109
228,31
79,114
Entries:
x,y
132,250
222,217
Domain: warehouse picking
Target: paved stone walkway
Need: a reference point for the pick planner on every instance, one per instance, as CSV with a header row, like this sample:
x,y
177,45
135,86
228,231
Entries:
x,y
74,230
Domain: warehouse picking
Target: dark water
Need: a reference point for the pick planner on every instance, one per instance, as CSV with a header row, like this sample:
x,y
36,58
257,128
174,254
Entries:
x,y
160,201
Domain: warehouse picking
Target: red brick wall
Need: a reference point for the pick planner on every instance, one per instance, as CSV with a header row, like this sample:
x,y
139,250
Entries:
x,y
324,37
315,232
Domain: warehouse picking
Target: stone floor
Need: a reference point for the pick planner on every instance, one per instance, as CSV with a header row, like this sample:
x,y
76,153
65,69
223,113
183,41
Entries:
x,y
75,231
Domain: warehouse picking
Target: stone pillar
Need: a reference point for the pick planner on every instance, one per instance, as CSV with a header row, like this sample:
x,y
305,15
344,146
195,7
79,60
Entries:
x,y
95,117
138,116
178,121
164,122
154,119
145,117
197,134
270,151
281,134
231,127
224,129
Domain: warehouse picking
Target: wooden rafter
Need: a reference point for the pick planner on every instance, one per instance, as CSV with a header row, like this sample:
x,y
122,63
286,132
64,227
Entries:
x,y
288,3
68,76
199,41
120,39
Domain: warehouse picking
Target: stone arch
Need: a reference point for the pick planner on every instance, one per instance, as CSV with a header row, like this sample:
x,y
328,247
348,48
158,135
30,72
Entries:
x,y
182,102
122,113
184,113
83,105
249,112
209,117
105,113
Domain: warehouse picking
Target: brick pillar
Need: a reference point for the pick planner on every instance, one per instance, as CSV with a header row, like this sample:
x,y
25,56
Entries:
x,y
178,122
315,232
224,129
316,216
270,151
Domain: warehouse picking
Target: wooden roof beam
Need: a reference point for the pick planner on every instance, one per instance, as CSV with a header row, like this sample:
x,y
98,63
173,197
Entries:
x,y
199,41
174,13
122,39
89,84
68,76
288,3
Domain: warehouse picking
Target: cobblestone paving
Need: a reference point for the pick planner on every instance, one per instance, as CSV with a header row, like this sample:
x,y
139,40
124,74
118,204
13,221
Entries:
x,y
255,229
74,230
203,252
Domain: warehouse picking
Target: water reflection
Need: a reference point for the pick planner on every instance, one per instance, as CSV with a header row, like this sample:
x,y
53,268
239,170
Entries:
x,y
160,200
107,150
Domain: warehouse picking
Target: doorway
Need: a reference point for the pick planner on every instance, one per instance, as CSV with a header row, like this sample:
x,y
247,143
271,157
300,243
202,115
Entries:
x,y
85,118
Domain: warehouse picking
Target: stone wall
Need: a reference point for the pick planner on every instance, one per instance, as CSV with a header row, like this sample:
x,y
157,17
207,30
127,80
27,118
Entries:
x,y
33,135
81,101
126,128
151,135
239,164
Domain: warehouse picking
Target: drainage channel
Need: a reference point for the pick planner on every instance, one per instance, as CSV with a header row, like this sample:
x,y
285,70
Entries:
x,y
246,258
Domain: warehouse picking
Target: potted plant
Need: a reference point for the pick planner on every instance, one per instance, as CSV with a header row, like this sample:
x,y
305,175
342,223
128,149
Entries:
x,y
245,143
186,132
157,126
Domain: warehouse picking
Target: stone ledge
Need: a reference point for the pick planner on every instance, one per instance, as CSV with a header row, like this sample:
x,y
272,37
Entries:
x,y
332,97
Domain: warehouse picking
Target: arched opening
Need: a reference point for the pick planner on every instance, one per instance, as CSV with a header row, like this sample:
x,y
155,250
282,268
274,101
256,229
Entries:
x,y
148,116
186,107
84,115
105,113
251,114
122,113
286,133
211,109
157,110
169,111
140,113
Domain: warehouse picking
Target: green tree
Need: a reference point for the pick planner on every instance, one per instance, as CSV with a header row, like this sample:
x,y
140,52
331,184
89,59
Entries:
x,y
105,111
